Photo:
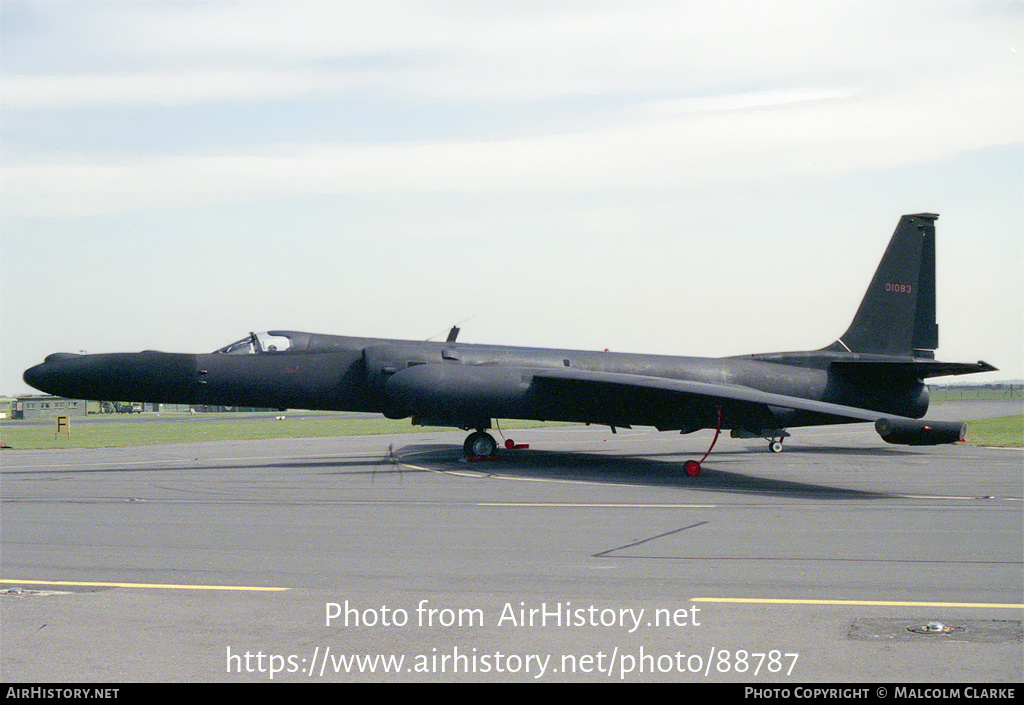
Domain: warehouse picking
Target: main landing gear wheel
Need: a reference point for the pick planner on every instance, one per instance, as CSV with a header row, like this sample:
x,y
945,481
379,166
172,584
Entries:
x,y
691,468
775,446
479,444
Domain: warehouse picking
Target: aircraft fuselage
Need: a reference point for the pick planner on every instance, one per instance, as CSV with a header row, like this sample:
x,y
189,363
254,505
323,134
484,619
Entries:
x,y
466,385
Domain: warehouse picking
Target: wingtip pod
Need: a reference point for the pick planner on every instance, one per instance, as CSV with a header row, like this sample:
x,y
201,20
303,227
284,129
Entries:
x,y
918,432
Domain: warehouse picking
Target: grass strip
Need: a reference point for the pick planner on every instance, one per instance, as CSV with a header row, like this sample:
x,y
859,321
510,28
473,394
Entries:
x,y
115,434
1000,432
1003,432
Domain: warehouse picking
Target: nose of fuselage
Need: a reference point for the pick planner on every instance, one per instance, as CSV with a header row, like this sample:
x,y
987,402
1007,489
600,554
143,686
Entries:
x,y
61,374
147,376
45,375
37,376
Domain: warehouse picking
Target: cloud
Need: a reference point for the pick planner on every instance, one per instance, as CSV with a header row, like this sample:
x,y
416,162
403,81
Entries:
x,y
92,53
661,145
163,89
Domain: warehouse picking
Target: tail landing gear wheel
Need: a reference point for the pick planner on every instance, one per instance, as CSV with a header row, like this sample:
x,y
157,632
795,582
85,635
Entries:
x,y
691,468
479,444
775,446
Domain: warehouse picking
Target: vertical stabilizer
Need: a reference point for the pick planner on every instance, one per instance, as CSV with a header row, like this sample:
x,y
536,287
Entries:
x,y
897,314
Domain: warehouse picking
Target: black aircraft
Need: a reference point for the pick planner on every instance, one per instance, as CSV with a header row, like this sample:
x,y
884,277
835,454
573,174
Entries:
x,y
874,372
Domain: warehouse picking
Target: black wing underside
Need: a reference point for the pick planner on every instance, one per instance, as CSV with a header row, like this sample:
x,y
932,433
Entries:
x,y
671,404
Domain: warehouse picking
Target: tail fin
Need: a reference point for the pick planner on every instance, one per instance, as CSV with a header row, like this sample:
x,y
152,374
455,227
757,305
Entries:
x,y
897,314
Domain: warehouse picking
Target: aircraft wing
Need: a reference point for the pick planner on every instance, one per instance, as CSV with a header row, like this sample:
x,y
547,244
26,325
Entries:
x,y
455,392
757,403
713,392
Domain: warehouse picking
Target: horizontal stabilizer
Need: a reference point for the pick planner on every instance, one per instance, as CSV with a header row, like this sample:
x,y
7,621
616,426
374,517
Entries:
x,y
907,369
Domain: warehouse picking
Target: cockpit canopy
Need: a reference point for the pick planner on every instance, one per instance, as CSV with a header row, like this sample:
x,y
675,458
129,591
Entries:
x,y
258,343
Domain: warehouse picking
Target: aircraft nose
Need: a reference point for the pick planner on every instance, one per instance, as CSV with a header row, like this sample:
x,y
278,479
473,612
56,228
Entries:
x,y
48,375
145,376
36,376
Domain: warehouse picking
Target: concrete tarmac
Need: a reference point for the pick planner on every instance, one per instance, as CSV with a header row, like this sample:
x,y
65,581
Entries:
x,y
589,557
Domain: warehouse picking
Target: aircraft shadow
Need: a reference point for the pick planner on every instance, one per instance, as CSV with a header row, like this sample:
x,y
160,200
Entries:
x,y
632,469
662,469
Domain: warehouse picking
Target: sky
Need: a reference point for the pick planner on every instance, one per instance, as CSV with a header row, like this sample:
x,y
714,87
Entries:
x,y
685,178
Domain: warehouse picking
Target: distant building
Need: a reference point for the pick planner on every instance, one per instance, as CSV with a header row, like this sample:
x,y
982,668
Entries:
x,y
168,408
47,407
